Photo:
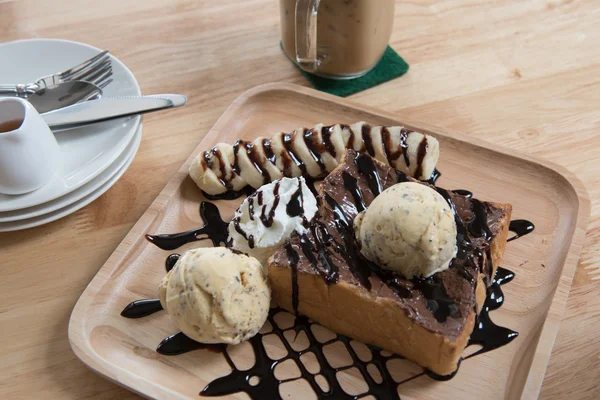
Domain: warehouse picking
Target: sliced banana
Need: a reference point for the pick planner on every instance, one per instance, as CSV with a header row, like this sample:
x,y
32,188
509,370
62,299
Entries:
x,y
311,152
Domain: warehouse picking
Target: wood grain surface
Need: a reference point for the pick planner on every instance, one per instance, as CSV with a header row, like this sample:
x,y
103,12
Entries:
x,y
544,263
524,74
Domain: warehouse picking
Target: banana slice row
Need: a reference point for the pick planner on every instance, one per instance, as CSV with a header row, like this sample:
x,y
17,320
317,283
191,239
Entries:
x,y
311,152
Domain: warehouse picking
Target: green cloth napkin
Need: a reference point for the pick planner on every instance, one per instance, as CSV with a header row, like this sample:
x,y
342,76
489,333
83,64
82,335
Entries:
x,y
389,67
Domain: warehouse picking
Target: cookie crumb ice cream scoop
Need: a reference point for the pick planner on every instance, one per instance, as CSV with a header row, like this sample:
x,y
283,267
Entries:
x,y
408,228
215,295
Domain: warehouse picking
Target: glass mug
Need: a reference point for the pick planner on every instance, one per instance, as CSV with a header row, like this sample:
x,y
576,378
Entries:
x,y
339,39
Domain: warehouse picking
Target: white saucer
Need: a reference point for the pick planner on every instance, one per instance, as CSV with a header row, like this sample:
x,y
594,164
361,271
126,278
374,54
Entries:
x,y
82,202
87,151
88,188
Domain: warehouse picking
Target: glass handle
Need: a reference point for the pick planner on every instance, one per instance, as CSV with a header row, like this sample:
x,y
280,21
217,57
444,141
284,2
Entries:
x,y
306,34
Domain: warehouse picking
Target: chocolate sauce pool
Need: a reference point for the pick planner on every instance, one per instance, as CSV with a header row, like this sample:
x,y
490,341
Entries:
x,y
260,382
521,227
229,194
171,261
179,343
214,227
435,175
141,308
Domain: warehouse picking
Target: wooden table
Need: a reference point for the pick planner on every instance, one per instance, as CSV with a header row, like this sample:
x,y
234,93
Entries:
x,y
525,74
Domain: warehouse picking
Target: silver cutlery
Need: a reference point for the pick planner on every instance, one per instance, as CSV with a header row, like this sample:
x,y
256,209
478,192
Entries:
x,y
97,70
106,108
64,95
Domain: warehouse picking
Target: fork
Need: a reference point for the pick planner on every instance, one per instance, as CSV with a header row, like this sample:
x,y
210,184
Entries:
x,y
96,70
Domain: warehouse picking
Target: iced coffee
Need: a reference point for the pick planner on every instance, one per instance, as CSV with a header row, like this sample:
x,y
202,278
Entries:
x,y
351,35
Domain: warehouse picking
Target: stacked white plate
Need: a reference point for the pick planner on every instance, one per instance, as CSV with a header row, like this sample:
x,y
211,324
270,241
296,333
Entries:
x,y
93,157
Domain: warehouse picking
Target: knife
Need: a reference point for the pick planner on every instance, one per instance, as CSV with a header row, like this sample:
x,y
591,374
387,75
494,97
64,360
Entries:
x,y
107,108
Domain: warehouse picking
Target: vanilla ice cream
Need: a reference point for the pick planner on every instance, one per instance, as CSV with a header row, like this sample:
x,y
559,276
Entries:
x,y
267,218
408,228
215,295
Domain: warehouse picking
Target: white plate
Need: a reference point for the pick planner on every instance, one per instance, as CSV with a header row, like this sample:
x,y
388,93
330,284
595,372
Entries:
x,y
80,193
87,151
63,212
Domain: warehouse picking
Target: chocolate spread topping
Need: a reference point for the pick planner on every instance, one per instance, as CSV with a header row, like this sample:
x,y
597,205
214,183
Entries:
x,y
330,250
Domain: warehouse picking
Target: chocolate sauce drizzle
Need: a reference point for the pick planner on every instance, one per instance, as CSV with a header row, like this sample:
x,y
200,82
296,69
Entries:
x,y
352,186
230,194
290,155
267,219
141,308
312,186
521,227
326,132
293,257
208,162
179,343
366,166
438,301
214,227
317,253
268,384
487,334
435,175
366,137
421,152
463,192
294,208
266,143
254,157
238,228
171,261
478,226
315,148
390,155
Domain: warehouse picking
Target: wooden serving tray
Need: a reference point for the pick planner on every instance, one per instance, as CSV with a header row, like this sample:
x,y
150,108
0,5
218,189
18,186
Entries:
x,y
544,262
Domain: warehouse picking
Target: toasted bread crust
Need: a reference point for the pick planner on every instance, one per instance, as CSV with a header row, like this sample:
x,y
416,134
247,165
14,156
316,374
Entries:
x,y
355,311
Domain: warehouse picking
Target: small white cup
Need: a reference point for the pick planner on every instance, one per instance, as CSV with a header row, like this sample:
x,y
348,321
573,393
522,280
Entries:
x,y
29,153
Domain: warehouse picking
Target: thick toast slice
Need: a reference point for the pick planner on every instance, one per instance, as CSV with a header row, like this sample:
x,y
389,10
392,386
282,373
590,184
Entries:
x,y
322,275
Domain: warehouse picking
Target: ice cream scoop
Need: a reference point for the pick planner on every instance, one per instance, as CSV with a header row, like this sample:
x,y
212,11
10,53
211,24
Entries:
x,y
268,217
215,295
408,228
